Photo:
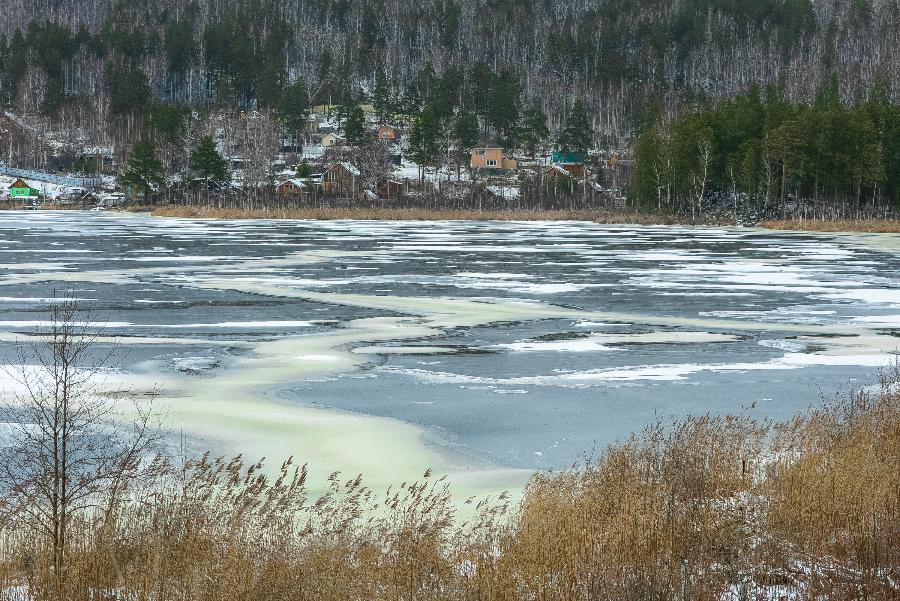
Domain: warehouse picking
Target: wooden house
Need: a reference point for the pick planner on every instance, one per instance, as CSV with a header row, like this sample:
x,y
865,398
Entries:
x,y
572,162
388,133
490,157
574,169
341,179
329,140
557,177
292,188
21,189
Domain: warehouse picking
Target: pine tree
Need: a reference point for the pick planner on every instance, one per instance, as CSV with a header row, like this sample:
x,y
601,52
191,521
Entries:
x,y
424,144
381,98
207,163
533,130
354,127
293,108
465,136
503,107
577,135
143,170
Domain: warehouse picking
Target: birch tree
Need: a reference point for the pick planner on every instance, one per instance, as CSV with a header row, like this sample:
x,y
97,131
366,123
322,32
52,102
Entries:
x,y
72,451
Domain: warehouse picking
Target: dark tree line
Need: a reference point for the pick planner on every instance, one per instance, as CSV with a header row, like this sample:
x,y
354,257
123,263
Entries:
x,y
766,154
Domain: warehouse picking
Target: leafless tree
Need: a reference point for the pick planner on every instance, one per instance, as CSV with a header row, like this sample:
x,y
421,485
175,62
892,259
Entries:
x,y
72,452
372,160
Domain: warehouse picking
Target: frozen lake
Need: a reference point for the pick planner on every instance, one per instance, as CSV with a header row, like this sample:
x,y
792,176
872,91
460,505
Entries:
x,y
494,346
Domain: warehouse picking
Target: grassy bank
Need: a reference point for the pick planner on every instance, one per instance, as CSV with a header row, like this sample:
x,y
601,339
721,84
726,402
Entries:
x,y
17,206
875,226
712,508
609,217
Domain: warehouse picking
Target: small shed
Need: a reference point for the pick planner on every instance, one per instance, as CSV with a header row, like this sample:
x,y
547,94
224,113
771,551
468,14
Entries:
x,y
390,189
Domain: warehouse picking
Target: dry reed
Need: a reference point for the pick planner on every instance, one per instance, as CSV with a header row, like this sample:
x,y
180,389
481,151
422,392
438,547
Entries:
x,y
875,226
708,508
411,214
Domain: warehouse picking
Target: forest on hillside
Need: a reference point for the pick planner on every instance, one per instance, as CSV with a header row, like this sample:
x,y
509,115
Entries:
x,y
666,82
629,62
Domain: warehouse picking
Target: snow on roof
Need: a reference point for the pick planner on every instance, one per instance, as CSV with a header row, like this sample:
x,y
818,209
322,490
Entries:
x,y
560,170
349,167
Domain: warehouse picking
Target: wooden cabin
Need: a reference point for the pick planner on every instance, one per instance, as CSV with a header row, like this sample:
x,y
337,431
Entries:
x,y
341,179
21,189
292,188
388,133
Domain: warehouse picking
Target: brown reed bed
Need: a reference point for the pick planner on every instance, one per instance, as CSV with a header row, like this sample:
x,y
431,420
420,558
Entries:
x,y
411,214
874,226
708,508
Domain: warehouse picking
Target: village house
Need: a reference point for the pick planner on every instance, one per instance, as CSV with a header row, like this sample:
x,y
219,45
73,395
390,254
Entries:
x,y
341,179
292,188
572,162
490,156
556,177
21,189
89,199
388,133
329,140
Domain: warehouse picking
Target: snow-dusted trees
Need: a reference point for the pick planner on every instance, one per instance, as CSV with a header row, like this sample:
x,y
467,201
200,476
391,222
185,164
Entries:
x,y
610,55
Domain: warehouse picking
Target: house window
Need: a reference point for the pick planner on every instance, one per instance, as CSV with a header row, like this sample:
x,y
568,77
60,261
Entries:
x,y
480,152
491,163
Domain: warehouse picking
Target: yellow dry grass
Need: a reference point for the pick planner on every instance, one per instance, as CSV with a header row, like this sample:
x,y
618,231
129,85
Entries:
x,y
881,226
688,510
411,214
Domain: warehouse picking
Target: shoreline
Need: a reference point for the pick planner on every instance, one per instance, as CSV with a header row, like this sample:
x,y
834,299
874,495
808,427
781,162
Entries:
x,y
407,214
592,216
849,226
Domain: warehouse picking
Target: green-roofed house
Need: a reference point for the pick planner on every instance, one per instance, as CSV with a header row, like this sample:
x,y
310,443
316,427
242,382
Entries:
x,y
20,189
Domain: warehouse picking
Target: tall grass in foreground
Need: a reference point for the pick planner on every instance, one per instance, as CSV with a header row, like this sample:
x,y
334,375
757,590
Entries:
x,y
706,508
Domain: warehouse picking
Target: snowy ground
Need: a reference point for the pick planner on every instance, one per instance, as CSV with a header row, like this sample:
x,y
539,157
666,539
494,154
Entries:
x,y
47,190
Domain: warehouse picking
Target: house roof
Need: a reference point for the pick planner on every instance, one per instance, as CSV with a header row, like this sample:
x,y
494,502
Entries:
x,y
19,183
558,169
349,167
297,182
488,144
